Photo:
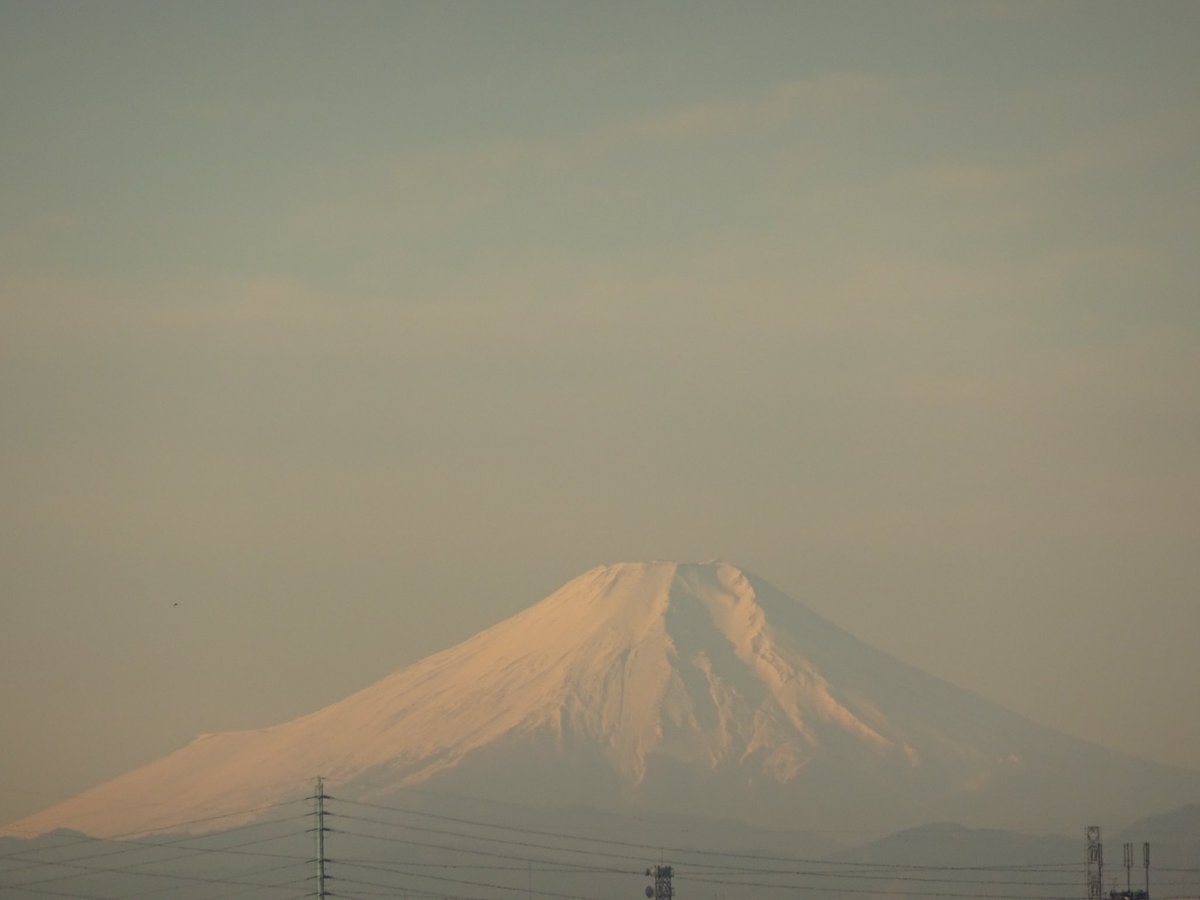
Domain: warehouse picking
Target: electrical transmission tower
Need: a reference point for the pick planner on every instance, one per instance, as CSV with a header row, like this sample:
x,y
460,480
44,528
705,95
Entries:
x,y
320,797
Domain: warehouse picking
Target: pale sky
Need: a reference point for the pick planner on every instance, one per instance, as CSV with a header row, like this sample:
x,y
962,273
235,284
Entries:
x,y
331,334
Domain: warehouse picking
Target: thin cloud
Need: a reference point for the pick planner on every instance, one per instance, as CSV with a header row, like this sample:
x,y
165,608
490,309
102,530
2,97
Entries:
x,y
266,300
780,104
49,312
1165,137
435,191
969,179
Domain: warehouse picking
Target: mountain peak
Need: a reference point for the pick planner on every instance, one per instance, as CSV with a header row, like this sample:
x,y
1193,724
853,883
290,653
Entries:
x,y
639,684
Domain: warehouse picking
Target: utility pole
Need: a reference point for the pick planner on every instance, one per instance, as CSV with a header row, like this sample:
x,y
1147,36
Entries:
x,y
1146,866
1128,869
320,797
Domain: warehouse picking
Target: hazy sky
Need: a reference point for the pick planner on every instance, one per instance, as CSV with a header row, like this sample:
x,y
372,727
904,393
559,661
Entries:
x,y
333,333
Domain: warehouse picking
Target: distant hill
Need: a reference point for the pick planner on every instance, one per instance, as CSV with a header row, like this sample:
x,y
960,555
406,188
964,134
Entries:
x,y
949,844
1174,839
948,859
455,848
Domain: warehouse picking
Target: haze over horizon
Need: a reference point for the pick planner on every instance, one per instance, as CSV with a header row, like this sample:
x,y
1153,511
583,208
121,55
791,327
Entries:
x,y
696,691
332,335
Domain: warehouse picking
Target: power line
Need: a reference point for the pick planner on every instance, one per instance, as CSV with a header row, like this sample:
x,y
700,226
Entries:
x,y
486,884
97,863
601,853
891,871
130,870
496,848
129,846
711,869
675,851
759,885
125,837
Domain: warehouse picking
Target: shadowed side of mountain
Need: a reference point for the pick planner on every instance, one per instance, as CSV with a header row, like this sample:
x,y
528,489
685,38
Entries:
x,y
641,687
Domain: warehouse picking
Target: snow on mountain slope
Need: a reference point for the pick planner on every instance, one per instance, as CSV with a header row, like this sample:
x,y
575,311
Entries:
x,y
694,687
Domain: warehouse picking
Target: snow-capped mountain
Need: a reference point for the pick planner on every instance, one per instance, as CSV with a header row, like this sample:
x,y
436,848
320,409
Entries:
x,y
694,688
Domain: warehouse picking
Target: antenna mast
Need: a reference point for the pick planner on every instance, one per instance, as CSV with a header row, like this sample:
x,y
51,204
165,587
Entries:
x,y
662,889
1095,862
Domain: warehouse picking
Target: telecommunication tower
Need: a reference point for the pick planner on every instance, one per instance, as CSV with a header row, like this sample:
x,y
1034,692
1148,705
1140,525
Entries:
x,y
1095,862
662,889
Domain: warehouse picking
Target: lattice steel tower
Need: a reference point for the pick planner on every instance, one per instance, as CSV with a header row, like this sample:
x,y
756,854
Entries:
x,y
662,889
320,797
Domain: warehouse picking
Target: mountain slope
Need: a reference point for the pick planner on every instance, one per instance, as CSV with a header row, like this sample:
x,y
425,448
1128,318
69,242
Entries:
x,y
691,687
1174,839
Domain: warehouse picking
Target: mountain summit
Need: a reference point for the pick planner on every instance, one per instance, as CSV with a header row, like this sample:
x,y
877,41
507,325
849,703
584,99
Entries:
x,y
696,688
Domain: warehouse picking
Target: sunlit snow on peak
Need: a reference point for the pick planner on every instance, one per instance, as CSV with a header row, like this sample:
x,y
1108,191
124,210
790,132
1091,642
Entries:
x,y
634,683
